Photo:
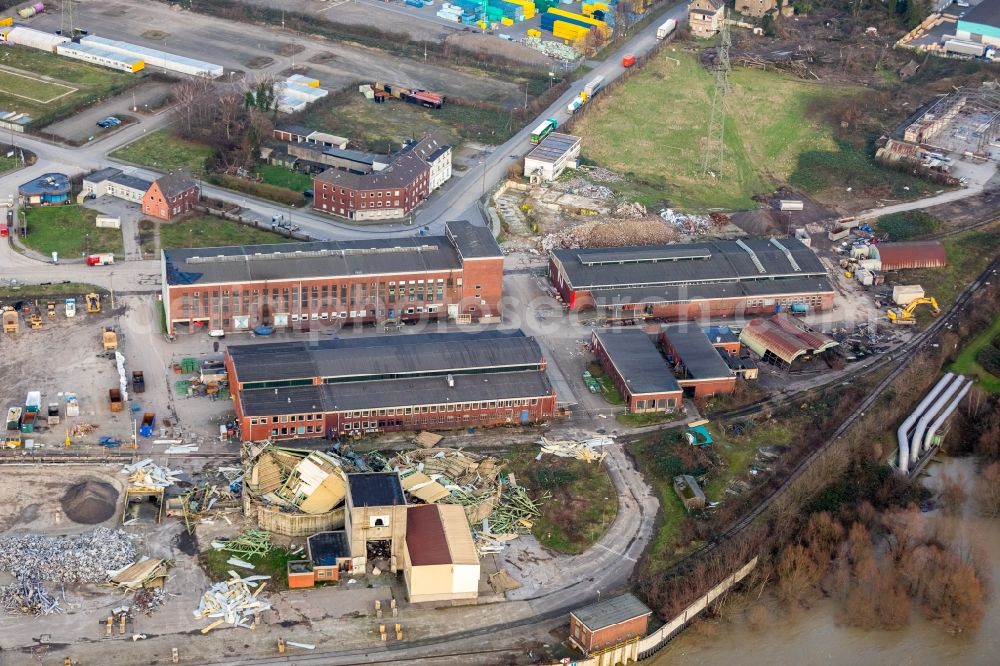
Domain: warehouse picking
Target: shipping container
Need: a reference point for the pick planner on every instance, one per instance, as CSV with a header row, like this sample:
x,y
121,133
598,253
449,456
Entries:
x,y
666,28
100,57
6,20
154,57
964,48
593,86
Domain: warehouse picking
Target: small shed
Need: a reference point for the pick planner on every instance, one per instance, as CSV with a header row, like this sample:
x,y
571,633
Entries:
x,y
687,488
49,188
608,623
440,558
330,554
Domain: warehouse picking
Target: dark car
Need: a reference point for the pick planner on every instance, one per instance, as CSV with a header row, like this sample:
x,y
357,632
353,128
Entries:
x,y
308,194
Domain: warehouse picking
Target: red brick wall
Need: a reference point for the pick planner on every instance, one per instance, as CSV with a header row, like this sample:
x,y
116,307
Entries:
x,y
219,308
156,205
709,387
382,421
723,307
618,633
482,281
336,199
631,399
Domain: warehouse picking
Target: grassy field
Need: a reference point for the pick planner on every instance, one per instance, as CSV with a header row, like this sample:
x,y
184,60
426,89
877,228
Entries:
x,y
274,563
654,127
31,88
85,82
968,254
70,231
967,364
207,231
609,391
29,291
583,503
164,151
908,225
279,176
379,127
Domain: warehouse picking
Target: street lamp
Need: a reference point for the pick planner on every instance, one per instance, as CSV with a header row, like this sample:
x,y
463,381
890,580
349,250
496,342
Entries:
x,y
551,76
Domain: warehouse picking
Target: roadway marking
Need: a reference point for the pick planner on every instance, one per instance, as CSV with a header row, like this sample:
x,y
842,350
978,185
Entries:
x,y
615,552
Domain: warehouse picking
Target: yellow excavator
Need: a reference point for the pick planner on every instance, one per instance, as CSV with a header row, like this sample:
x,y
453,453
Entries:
x,y
905,315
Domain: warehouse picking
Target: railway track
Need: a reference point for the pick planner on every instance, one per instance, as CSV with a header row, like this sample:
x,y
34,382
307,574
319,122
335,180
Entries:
x,y
902,357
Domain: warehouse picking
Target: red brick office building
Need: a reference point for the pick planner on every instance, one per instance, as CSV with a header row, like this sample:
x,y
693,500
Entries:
x,y
171,196
608,623
371,384
390,193
691,280
309,286
638,371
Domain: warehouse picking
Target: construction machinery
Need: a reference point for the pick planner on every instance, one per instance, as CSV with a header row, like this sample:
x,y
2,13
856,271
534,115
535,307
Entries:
x,y
93,303
35,319
51,307
11,322
109,338
906,315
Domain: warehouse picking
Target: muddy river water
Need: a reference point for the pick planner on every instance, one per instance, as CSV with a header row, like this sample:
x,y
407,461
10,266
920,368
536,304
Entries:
x,y
813,637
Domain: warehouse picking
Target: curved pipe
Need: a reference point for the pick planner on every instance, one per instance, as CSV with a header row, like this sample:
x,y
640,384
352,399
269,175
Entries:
x,y
904,428
939,421
917,440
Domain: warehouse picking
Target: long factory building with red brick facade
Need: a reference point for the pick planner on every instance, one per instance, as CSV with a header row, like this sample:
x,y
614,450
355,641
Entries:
x,y
314,285
691,280
367,384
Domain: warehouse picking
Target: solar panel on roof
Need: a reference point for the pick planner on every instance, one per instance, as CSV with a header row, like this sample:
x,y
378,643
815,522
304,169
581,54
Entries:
x,y
645,256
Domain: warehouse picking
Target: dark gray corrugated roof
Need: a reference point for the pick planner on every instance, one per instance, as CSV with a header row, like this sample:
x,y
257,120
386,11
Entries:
x,y
333,259
294,129
369,356
473,241
553,147
102,175
612,611
326,547
986,12
727,261
637,360
700,359
376,489
133,182
175,183
403,168
377,394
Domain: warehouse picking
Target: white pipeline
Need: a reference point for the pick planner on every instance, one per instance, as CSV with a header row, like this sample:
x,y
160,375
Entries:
x,y
939,421
917,440
902,433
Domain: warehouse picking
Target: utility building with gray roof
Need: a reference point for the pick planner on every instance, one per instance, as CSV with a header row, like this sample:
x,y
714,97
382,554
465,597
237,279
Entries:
x,y
691,280
326,284
355,385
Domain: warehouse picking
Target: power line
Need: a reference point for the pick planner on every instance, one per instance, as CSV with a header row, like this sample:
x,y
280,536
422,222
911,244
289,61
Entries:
x,y
713,156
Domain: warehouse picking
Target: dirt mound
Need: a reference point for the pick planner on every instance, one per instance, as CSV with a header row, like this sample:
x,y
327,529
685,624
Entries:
x,y
90,502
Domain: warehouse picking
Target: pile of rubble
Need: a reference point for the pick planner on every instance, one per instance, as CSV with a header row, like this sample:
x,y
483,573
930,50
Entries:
x,y
556,50
497,508
147,474
601,174
629,210
612,233
588,450
37,559
80,558
233,602
585,188
692,225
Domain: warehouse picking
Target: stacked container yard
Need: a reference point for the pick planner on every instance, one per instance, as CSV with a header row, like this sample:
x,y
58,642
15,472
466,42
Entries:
x,y
570,26
527,8
450,12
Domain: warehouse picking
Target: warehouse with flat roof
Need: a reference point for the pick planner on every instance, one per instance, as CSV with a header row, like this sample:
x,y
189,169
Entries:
x,y
638,370
691,280
981,24
308,286
698,364
351,386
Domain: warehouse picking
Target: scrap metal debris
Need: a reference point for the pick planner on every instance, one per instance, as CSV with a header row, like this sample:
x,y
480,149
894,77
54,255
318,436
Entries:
x,y
37,559
233,602
251,542
144,573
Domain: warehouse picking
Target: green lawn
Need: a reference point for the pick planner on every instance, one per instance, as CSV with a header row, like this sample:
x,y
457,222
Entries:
x,y
164,151
645,419
583,503
204,231
30,291
967,364
908,225
273,563
70,231
739,451
90,81
280,176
